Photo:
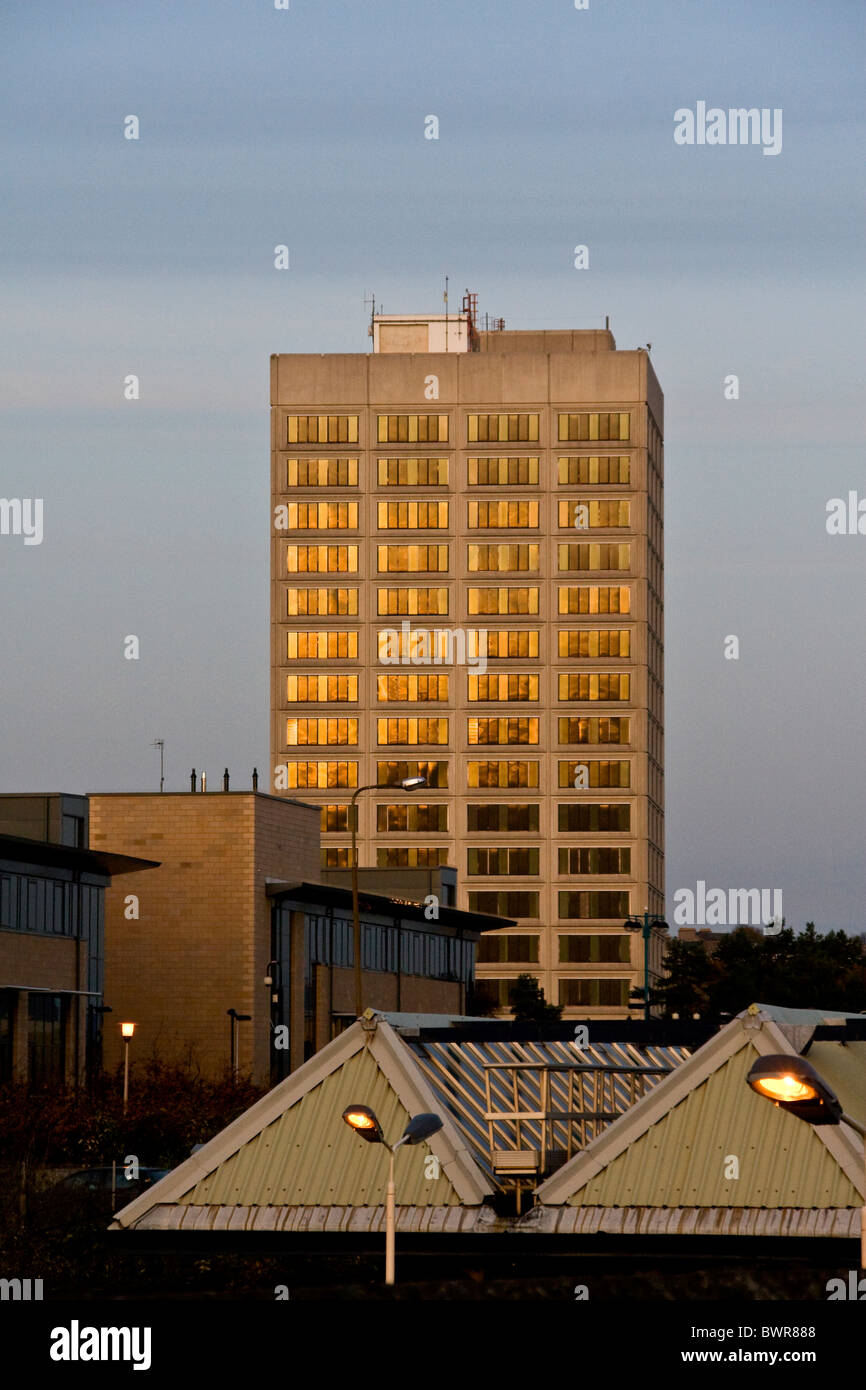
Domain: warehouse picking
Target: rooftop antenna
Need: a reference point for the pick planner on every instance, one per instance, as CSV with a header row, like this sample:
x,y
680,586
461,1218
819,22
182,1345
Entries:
x,y
160,744
445,297
371,300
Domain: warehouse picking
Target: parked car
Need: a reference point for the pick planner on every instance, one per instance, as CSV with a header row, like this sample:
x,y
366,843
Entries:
x,y
97,1182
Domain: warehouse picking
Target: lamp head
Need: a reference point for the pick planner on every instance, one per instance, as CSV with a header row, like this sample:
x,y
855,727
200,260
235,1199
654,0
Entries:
x,y
127,1029
362,1120
793,1084
420,1128
413,784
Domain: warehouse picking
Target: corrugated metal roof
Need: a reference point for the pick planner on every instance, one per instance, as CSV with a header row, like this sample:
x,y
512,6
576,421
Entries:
x,y
299,1220
827,1222
680,1161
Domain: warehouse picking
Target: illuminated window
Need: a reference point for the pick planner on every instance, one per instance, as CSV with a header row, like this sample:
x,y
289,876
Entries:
x,y
423,646
594,468
594,685
503,687
321,603
593,513
412,601
322,429
412,816
502,601
413,429
321,472
391,774
595,642
321,646
504,643
431,730
490,815
321,559
502,774
336,857
410,857
594,859
322,775
611,949
329,731
502,472
508,949
335,818
411,687
585,905
589,816
503,557
513,730
497,429
322,688
595,599
413,472
510,514
594,993
599,772
493,863
411,558
600,556
413,516
594,730
595,425
322,516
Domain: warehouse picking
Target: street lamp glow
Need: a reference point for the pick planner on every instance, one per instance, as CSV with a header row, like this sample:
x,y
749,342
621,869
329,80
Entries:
x,y
785,1088
413,784
362,1120
127,1029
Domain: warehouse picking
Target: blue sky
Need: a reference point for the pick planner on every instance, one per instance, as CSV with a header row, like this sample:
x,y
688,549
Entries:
x,y
306,127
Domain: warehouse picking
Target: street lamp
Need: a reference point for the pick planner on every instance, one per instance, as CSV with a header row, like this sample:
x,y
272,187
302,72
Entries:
x,y
408,784
793,1084
363,1121
126,1032
646,925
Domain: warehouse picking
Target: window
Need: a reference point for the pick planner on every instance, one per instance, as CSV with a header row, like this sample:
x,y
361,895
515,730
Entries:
x,y
430,730
322,603
595,642
583,816
413,472
512,730
412,601
336,857
595,599
482,429
580,905
416,857
322,516
601,556
497,993
594,993
503,557
594,859
594,685
322,429
412,816
322,688
321,646
509,815
335,818
321,472
412,687
46,1051
421,646
508,949
592,513
502,472
502,774
318,559
413,516
505,903
511,514
593,730
321,775
503,687
492,863
611,949
328,731
595,772
411,558
413,429
506,643
594,468
480,601
391,774
595,425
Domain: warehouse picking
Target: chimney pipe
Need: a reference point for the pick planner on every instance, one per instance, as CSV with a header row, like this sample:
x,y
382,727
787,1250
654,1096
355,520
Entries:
x,y
255,779
226,780
204,781
192,779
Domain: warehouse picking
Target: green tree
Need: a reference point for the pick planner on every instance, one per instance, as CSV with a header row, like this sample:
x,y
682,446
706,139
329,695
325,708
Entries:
x,y
685,990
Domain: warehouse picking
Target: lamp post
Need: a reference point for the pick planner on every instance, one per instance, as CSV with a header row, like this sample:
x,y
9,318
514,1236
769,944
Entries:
x,y
408,784
126,1031
646,925
793,1084
363,1121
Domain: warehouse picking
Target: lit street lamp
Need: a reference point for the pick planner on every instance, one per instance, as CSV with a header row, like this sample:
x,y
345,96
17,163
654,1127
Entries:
x,y
126,1032
408,784
793,1084
362,1120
